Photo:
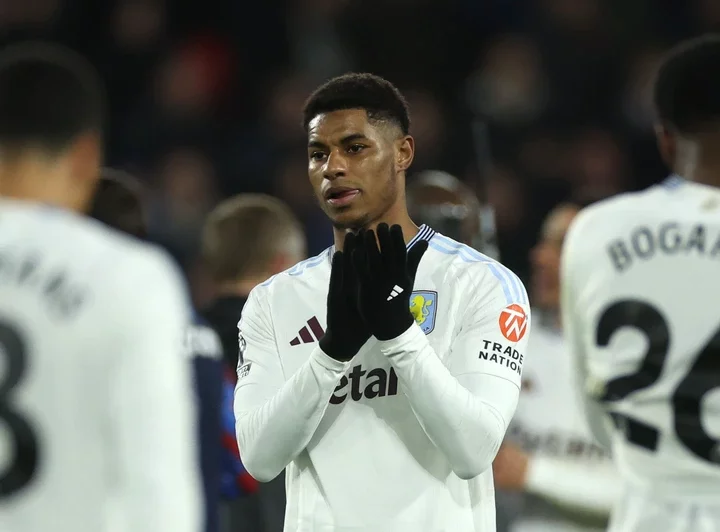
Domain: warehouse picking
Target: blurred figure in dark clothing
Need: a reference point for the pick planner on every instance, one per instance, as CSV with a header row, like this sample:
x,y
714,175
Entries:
x,y
246,240
445,203
118,203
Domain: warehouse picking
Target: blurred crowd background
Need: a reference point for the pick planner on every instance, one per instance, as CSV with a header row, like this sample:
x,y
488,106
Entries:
x,y
206,95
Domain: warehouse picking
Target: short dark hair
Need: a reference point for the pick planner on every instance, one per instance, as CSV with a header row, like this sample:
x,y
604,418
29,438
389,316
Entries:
x,y
118,203
48,96
687,86
244,233
377,96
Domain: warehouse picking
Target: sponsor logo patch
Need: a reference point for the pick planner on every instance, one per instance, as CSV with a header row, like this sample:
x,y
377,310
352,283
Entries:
x,y
513,322
244,370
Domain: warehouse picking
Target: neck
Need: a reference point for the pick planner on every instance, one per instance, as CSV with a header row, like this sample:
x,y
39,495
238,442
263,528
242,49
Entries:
x,y
699,160
40,181
241,288
705,175
395,216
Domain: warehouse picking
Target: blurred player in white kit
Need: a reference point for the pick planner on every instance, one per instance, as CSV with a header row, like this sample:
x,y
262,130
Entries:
x,y
382,377
568,481
641,286
96,416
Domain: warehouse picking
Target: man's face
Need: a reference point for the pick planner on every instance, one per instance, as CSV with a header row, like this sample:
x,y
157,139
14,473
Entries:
x,y
545,257
353,165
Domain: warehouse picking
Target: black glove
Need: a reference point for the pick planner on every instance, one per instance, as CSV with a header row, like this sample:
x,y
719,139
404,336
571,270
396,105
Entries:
x,y
386,278
346,333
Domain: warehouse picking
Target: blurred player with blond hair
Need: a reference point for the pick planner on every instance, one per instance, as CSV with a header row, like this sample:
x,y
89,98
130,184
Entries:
x,y
246,239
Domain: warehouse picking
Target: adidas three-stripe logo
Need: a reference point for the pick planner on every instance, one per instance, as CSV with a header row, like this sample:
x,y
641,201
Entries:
x,y
312,332
396,291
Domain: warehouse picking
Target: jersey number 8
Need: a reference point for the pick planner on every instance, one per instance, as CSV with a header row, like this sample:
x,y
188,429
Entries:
x,y
703,377
20,470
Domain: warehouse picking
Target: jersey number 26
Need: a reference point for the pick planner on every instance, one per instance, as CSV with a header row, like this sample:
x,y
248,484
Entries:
x,y
703,377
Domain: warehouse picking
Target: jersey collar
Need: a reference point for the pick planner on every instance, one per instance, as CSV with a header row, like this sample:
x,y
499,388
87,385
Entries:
x,y
673,181
425,232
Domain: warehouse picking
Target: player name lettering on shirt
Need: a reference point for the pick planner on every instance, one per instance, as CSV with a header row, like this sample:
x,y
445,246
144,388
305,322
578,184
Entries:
x,y
667,239
505,356
63,296
365,384
556,444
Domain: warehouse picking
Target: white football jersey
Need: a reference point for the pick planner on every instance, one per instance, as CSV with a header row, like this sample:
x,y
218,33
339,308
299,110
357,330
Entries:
x,y
96,415
368,463
550,425
640,305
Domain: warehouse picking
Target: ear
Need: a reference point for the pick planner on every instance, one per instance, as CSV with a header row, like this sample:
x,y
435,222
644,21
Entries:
x,y
404,153
85,156
667,145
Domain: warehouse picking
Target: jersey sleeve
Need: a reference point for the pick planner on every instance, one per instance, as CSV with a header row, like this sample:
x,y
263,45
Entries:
x,y
151,400
590,488
276,415
465,399
493,336
575,267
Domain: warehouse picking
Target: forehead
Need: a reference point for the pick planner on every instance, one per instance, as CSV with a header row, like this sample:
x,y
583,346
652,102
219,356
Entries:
x,y
335,125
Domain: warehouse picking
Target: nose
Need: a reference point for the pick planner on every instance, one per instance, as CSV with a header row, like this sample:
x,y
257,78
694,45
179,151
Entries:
x,y
335,166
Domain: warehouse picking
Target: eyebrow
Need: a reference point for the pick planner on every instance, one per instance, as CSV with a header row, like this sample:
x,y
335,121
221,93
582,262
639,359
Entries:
x,y
349,138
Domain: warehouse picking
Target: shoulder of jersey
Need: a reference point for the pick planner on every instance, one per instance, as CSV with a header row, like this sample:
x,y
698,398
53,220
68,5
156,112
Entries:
x,y
115,243
100,245
312,271
455,259
614,212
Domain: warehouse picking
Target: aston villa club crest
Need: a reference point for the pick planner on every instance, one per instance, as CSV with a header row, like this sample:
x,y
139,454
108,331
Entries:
x,y
423,307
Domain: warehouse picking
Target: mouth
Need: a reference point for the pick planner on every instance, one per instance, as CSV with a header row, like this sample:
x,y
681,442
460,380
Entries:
x,y
341,196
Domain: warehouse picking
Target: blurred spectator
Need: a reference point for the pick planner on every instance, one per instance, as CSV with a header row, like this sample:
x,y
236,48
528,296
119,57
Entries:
x,y
561,84
599,166
318,48
510,87
428,128
185,193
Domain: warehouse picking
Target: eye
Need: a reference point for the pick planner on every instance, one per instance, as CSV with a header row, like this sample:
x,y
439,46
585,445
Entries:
x,y
356,148
317,155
